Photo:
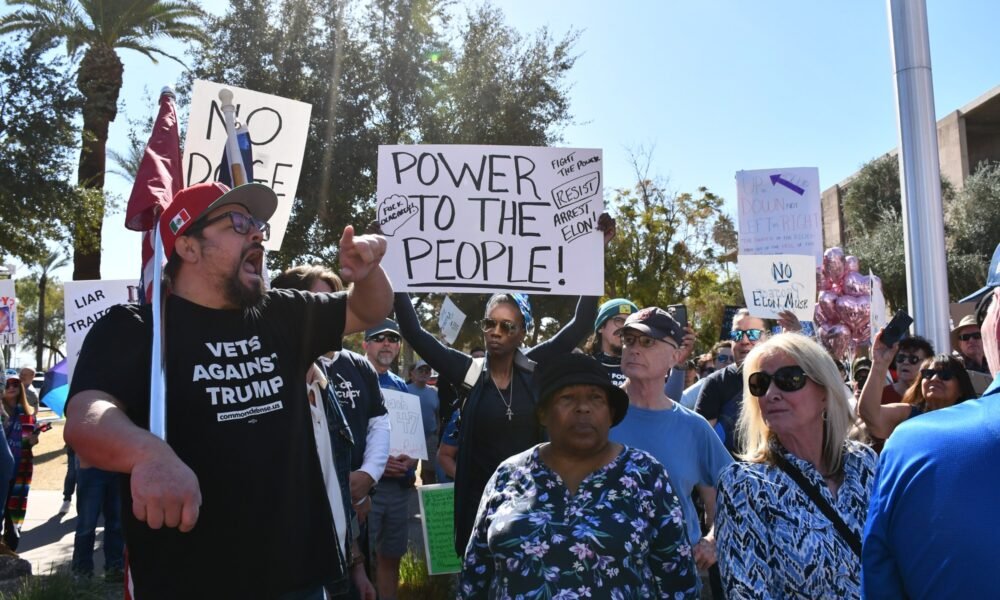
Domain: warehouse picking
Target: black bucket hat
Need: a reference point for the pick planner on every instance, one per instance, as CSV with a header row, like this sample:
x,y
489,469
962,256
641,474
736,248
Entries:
x,y
579,369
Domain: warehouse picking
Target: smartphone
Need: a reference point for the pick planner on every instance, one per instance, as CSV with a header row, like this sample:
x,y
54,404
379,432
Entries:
x,y
896,328
680,314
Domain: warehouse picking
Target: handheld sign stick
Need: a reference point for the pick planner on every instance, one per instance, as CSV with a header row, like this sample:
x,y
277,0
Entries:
x,y
157,379
237,170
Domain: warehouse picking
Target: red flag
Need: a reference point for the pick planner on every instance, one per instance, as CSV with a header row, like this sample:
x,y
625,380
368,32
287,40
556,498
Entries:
x,y
158,179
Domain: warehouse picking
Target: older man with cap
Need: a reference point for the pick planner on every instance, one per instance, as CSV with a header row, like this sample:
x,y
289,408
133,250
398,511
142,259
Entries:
x,y
932,526
679,438
967,346
232,504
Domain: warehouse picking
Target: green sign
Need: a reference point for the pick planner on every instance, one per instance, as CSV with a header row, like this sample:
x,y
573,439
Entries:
x,y
437,508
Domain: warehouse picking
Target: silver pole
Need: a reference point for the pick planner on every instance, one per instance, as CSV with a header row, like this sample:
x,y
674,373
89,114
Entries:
x,y
157,375
919,172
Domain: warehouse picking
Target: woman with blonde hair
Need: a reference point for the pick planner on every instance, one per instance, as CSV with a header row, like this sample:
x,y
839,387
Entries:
x,y
789,519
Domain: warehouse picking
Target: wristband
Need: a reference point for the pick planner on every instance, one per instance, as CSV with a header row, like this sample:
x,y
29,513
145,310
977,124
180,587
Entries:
x,y
360,502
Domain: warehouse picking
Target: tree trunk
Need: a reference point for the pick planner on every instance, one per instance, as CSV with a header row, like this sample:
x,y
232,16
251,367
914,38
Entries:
x,y
40,334
99,80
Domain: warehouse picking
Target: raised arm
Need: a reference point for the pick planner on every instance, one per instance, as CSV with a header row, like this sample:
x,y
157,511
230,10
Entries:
x,y
165,491
571,334
880,419
445,360
369,299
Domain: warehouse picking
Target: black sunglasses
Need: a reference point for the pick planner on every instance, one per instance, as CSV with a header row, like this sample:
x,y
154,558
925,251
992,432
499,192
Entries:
x,y
13,383
751,334
724,358
965,337
861,377
241,224
508,327
913,358
392,337
942,374
788,379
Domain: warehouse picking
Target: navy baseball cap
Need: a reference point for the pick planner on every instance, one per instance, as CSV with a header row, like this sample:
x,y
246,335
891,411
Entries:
x,y
386,326
656,323
992,279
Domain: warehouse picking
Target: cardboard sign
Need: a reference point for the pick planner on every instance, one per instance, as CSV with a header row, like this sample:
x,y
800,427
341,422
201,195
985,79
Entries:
x,y
780,212
450,321
479,219
85,302
878,313
8,313
407,435
278,130
437,517
772,284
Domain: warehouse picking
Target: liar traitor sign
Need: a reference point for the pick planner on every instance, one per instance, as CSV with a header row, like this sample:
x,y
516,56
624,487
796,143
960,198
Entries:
x,y
84,303
492,218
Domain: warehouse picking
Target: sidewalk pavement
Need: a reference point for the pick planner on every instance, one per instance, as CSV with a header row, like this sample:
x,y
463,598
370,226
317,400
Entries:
x,y
47,536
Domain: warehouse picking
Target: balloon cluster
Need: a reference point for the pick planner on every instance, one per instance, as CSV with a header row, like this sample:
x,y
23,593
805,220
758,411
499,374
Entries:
x,y
843,308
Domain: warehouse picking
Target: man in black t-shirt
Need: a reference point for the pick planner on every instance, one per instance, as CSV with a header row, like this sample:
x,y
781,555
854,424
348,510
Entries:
x,y
604,345
234,506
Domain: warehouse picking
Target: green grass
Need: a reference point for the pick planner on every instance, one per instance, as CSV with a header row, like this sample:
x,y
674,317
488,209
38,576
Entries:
x,y
415,584
61,585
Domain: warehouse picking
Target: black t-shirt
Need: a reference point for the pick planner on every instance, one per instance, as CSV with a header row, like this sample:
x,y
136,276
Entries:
x,y
355,384
721,399
613,365
237,415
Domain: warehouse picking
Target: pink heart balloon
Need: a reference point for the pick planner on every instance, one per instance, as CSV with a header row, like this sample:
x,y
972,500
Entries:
x,y
856,284
852,263
853,310
826,309
834,264
862,336
835,339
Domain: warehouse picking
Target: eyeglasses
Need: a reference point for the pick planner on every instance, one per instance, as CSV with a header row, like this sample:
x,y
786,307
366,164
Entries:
x,y
912,358
643,341
724,358
378,339
965,337
942,374
751,334
861,377
241,223
788,379
508,327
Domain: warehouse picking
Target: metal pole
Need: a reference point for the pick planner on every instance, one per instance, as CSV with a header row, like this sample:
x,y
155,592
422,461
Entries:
x,y
157,375
919,172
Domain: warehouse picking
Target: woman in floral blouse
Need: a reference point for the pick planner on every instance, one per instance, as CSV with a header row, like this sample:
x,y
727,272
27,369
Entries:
x,y
773,540
579,516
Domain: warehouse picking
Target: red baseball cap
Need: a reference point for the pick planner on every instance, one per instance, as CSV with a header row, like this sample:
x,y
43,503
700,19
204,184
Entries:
x,y
192,203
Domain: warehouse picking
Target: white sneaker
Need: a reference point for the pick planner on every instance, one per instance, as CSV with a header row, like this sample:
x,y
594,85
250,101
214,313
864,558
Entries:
x,y
65,507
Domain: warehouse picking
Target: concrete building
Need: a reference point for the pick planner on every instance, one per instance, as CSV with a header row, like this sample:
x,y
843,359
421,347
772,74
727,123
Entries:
x,y
967,137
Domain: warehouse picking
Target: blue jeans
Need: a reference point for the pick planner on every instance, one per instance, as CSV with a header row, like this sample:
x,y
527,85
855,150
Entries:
x,y
97,491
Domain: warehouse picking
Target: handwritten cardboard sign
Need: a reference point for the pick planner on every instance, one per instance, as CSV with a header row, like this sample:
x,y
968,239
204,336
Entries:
x,y
8,313
492,218
407,435
278,130
84,303
450,320
780,212
775,283
437,512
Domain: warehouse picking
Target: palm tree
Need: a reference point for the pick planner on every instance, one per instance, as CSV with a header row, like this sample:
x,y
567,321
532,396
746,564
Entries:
x,y
99,28
53,261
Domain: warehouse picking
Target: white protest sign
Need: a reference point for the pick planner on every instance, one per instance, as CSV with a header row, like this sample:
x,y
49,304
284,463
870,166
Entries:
x,y
780,212
775,283
879,313
450,320
85,302
480,219
278,130
8,313
407,435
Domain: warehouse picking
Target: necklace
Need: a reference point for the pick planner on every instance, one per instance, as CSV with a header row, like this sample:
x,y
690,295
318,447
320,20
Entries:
x,y
509,400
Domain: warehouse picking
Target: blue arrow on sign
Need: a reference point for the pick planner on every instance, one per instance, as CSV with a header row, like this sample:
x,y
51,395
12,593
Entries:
x,y
776,179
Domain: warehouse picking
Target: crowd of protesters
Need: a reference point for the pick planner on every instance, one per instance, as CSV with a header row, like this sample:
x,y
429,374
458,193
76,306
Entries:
x,y
625,470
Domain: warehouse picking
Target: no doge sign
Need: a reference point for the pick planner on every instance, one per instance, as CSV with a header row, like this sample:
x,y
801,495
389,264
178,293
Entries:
x,y
492,218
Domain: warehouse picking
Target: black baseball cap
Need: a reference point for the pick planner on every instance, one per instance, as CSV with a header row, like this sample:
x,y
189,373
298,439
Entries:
x,y
656,323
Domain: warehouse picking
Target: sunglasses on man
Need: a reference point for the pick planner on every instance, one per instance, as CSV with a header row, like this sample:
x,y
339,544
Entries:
x,y
508,327
241,224
382,337
965,337
788,379
751,334
724,359
942,374
911,358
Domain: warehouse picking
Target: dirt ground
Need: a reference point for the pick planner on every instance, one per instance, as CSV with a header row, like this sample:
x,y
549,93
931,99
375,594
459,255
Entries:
x,y
50,458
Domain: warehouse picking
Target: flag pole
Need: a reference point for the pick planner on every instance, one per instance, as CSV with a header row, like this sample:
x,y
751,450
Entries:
x,y
236,167
157,377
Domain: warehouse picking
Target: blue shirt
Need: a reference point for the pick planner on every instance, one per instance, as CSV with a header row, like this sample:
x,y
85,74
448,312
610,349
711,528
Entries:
x,y
932,526
685,445
428,406
391,381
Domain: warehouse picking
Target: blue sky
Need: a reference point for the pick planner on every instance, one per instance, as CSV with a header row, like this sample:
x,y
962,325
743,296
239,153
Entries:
x,y
714,86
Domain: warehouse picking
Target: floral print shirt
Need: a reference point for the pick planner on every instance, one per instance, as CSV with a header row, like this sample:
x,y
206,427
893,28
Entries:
x,y
620,536
773,542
